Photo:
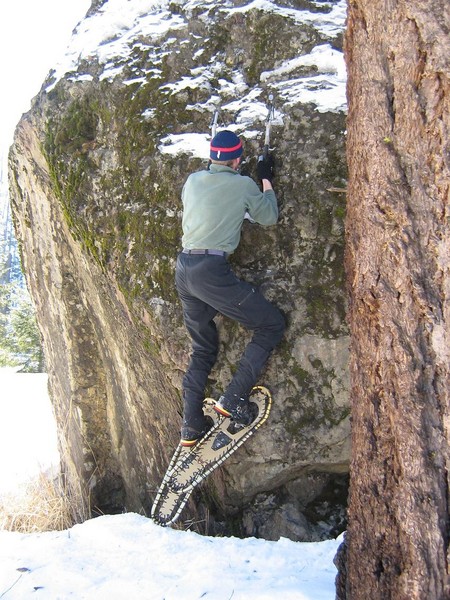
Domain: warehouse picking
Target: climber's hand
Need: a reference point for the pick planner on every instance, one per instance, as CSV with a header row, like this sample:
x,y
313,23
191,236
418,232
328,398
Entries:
x,y
266,167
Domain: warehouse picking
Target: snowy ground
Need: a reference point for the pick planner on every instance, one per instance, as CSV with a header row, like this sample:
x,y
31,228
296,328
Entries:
x,y
27,428
127,556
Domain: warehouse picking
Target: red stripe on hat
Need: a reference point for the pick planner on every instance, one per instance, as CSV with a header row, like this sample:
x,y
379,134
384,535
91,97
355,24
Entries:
x,y
215,149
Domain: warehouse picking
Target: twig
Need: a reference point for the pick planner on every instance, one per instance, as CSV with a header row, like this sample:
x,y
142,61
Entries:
x,y
337,190
11,586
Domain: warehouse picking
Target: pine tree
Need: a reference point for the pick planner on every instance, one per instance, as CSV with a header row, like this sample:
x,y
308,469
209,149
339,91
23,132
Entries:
x,y
20,343
398,258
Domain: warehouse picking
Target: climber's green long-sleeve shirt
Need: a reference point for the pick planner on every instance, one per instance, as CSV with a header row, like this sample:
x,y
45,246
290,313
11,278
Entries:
x,y
214,205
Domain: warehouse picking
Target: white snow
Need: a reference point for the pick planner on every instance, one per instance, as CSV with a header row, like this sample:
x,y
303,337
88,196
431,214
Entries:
x,y
327,90
28,443
114,29
328,23
196,144
324,57
111,34
129,556
120,26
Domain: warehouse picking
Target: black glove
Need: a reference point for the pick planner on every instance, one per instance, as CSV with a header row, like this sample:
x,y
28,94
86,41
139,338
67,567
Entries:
x,y
265,167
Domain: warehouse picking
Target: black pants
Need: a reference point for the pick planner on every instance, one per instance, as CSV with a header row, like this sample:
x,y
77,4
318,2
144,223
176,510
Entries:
x,y
207,285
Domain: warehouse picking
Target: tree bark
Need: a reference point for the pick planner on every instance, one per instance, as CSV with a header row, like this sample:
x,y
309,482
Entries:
x,y
397,261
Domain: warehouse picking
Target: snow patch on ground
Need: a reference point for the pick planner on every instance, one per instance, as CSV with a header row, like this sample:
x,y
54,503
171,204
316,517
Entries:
x,y
129,556
28,443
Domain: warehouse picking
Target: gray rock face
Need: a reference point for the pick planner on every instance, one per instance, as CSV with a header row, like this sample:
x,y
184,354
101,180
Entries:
x,y
96,174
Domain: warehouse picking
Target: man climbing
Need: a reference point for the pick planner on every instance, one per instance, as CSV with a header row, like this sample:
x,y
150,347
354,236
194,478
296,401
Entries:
x,y
215,202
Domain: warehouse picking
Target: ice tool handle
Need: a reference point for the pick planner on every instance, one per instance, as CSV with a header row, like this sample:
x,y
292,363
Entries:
x,y
269,119
214,121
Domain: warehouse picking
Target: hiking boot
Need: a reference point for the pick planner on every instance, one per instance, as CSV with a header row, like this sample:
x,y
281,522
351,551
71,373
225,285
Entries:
x,y
239,409
191,435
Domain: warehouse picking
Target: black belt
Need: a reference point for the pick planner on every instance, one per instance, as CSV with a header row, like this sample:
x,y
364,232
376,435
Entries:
x,y
208,251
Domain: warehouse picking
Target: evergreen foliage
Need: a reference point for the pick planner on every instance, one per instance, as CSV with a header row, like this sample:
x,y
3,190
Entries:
x,y
20,344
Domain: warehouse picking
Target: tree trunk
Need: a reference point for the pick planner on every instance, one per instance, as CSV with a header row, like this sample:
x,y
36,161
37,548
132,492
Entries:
x,y
397,260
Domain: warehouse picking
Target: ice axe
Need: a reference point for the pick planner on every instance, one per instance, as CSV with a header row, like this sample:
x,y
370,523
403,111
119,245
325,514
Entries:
x,y
269,119
213,124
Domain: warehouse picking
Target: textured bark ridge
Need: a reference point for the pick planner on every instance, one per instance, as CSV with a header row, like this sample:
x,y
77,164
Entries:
x,y
96,174
397,259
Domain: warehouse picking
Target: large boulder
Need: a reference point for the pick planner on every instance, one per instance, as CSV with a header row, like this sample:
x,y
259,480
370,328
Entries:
x,y
97,168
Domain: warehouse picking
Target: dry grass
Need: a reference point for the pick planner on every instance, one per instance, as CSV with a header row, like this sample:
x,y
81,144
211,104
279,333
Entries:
x,y
44,504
